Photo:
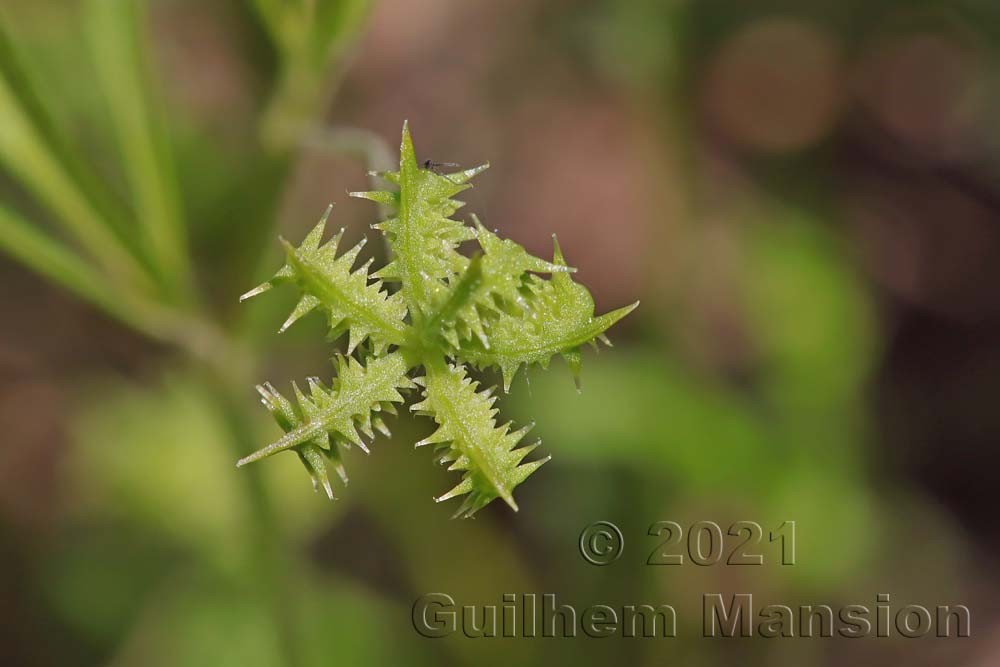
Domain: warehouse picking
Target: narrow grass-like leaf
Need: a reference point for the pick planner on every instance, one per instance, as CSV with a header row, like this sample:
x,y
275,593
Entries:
x,y
49,257
25,242
116,39
38,108
27,156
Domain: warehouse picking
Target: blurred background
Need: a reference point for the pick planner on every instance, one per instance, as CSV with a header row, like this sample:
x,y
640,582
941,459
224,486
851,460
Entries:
x,y
804,195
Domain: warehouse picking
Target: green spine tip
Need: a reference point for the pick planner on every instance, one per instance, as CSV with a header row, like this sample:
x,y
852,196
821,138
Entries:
x,y
259,289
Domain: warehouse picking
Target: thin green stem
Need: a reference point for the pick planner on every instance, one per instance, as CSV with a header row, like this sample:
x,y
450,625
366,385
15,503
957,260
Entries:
x,y
270,564
355,142
364,145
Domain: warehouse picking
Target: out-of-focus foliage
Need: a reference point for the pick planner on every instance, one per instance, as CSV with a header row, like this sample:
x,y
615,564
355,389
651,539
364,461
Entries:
x,y
307,36
794,443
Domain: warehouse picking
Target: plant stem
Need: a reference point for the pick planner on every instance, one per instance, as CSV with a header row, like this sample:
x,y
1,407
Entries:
x,y
270,563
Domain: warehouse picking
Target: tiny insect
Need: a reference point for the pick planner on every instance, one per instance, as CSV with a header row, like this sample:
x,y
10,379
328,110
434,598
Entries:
x,y
436,167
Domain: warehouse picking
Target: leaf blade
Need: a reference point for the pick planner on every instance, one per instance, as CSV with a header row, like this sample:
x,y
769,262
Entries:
x,y
329,418
115,38
469,441
327,280
423,236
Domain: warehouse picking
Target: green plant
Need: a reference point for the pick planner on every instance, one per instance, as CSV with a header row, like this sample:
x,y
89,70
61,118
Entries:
x,y
492,310
111,192
116,194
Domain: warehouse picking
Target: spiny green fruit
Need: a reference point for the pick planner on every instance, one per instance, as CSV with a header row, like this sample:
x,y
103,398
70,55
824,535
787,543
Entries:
x,y
440,313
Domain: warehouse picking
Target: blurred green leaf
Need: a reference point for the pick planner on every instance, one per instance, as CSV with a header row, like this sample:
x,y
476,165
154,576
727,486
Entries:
x,y
311,31
640,42
38,107
153,456
837,521
337,21
106,563
52,259
157,456
32,152
200,620
307,37
809,314
117,41
27,243
643,410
